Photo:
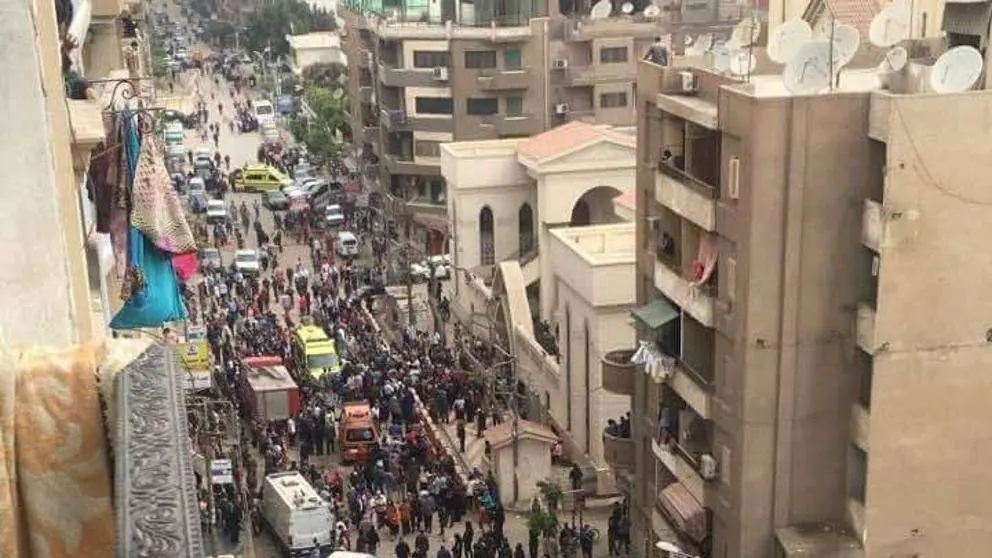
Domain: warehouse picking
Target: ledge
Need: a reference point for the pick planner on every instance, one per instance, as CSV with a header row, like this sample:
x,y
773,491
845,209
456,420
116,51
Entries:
x,y
155,494
618,372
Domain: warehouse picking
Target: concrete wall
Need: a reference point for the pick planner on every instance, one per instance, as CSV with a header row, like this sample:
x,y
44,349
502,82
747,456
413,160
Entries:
x,y
43,282
304,57
930,390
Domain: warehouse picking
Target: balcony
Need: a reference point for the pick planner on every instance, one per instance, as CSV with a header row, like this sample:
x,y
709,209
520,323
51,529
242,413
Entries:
x,y
618,372
691,108
618,452
577,30
592,74
860,425
523,125
407,77
397,165
692,388
425,206
682,467
696,300
871,225
686,196
866,328
505,80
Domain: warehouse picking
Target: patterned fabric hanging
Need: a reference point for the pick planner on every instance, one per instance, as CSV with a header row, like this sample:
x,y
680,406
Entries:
x,y
156,208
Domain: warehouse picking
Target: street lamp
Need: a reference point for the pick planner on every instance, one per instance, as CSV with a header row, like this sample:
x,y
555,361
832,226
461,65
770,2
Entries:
x,y
673,550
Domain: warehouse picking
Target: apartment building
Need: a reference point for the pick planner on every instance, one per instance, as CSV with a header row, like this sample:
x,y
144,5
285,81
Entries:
x,y
422,75
815,341
56,272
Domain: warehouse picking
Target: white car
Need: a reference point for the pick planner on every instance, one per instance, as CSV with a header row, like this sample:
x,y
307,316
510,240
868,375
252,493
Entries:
x,y
216,211
247,262
347,244
333,216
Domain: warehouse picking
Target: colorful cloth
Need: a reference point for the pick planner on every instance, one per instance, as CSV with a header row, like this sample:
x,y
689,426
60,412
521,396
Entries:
x,y
156,209
55,493
159,300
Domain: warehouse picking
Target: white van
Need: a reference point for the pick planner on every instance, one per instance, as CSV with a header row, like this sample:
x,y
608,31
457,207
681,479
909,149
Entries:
x,y
295,513
347,244
265,113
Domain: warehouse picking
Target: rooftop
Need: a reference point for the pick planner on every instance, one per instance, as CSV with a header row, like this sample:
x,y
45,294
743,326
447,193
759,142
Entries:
x,y
483,148
819,540
570,137
502,434
323,39
861,80
600,244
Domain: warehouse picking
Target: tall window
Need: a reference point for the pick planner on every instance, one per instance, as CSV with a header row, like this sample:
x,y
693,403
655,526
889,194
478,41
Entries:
x,y
426,148
525,224
431,58
612,55
487,247
512,60
514,105
433,105
480,59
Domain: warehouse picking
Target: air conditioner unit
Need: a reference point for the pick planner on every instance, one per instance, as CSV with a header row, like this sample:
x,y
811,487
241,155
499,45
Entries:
x,y
733,177
688,82
441,73
561,108
708,467
559,64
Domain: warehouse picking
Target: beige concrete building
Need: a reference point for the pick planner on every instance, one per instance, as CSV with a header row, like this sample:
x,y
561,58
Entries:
x,y
422,76
534,223
815,384
57,285
315,48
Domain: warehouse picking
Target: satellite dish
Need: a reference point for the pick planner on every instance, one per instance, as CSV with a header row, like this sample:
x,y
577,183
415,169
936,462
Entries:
x,y
627,8
688,40
745,33
895,60
788,39
809,71
721,58
891,25
742,62
601,10
956,70
652,11
846,42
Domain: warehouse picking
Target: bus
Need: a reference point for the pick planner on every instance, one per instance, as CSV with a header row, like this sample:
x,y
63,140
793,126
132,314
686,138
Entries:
x,y
314,352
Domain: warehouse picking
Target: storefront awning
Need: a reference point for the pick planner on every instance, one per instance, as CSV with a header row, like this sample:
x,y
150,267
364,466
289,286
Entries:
x,y
684,511
655,314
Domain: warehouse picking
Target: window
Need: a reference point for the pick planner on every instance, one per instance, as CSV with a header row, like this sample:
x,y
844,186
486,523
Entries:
x,y
433,105
426,148
431,58
483,107
612,55
514,106
476,59
613,100
487,245
512,59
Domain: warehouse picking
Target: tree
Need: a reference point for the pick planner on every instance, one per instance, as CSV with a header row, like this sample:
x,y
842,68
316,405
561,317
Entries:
x,y
321,127
542,522
329,75
268,26
552,494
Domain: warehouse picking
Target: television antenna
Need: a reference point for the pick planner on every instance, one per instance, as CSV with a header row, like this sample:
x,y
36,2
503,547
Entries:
x,y
745,33
891,25
601,10
788,39
956,70
742,63
627,7
810,71
894,61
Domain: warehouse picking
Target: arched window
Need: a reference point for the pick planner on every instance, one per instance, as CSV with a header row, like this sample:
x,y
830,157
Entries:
x,y
487,247
525,224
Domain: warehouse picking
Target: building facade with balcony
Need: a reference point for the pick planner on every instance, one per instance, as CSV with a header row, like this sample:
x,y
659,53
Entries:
x,y
810,348
453,74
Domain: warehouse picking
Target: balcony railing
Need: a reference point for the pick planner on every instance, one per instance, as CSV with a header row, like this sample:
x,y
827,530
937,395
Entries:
x,y
690,181
618,372
618,452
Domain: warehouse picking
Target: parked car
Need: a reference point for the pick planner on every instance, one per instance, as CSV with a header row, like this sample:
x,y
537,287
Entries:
x,y
275,200
333,216
216,211
210,259
247,262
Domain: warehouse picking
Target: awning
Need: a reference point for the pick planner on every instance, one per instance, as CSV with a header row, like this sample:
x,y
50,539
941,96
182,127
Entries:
x,y
684,510
967,18
655,314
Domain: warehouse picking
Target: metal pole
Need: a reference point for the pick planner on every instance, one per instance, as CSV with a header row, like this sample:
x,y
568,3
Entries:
x,y
516,429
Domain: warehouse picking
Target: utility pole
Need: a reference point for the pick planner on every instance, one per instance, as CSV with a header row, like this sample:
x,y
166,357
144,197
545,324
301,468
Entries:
x,y
516,427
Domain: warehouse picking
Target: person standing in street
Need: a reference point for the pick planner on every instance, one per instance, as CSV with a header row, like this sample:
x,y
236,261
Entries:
x,y
443,552
468,537
402,549
461,435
